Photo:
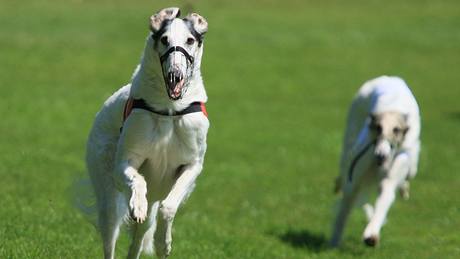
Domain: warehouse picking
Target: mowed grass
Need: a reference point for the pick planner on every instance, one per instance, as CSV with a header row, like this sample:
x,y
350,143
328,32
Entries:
x,y
280,76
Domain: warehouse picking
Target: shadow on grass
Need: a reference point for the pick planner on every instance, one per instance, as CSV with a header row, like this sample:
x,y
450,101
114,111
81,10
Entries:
x,y
318,243
304,239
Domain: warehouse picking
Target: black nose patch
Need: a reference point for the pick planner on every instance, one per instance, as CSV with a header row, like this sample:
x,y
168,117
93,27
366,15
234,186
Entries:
x,y
380,159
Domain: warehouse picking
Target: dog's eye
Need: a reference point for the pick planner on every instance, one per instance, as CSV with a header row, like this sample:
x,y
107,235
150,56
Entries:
x,y
190,41
164,40
396,130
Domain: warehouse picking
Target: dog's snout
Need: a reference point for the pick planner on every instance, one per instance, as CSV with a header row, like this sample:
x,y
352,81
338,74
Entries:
x,y
382,152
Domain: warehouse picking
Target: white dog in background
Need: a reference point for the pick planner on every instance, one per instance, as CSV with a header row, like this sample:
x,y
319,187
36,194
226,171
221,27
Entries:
x,y
148,142
381,148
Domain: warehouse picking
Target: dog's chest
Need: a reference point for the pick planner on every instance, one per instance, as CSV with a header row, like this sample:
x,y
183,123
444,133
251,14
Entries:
x,y
175,142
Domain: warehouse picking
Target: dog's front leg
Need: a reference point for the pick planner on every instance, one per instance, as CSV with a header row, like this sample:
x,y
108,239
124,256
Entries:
x,y
388,186
131,153
134,186
168,208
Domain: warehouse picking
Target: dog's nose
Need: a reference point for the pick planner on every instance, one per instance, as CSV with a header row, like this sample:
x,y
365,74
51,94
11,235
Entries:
x,y
380,158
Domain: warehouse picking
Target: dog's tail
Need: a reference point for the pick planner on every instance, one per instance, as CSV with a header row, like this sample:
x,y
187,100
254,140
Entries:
x,y
84,199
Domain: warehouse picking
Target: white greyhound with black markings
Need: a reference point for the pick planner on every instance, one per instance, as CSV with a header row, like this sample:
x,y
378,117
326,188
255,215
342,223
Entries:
x,y
148,142
381,148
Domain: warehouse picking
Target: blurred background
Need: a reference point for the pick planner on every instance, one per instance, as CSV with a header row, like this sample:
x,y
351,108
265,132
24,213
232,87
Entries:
x,y
280,76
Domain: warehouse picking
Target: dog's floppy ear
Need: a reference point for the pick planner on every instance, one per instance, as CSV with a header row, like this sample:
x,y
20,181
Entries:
x,y
373,123
156,20
199,25
405,130
372,118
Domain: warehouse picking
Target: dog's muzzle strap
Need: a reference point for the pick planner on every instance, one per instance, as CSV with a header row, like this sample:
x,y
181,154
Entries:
x,y
173,49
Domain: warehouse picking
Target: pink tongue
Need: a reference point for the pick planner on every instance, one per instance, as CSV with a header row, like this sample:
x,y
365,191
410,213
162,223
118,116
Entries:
x,y
178,88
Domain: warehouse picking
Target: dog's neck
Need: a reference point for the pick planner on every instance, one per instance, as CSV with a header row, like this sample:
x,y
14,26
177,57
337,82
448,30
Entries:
x,y
148,83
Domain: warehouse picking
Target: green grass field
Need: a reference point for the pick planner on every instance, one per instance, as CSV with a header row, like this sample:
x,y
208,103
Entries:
x,y
280,76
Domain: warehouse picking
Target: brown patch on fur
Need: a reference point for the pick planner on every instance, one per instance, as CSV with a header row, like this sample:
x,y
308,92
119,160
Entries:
x,y
157,19
199,22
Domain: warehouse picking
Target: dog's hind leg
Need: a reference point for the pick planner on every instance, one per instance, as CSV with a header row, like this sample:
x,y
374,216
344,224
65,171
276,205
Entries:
x,y
363,198
109,216
147,242
138,232
142,234
345,206
109,226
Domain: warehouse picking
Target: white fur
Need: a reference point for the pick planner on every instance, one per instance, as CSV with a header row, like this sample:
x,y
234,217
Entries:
x,y
381,94
137,170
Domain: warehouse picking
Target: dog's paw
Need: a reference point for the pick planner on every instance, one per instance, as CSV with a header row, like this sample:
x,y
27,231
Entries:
x,y
163,249
404,190
138,207
371,241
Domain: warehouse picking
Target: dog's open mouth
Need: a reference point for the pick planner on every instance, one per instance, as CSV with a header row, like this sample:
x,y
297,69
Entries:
x,y
175,85
175,91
